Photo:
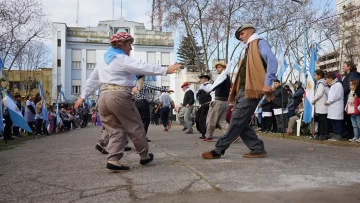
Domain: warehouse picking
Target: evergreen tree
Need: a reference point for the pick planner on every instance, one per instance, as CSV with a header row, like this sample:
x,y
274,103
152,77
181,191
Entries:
x,y
187,54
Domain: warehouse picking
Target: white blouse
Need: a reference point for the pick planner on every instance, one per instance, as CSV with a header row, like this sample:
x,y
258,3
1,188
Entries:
x,y
120,71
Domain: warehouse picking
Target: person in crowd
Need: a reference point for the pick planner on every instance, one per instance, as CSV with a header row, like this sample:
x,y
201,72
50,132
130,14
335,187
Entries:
x,y
349,70
253,79
352,107
293,119
187,109
37,98
17,99
7,119
279,104
166,104
321,96
118,112
289,93
296,98
85,114
51,119
93,116
30,112
204,99
39,116
267,112
335,102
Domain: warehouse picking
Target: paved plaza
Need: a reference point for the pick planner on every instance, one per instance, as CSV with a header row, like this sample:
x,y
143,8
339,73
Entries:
x,y
67,168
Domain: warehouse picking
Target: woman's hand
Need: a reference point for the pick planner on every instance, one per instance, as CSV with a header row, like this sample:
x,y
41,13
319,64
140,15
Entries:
x,y
78,102
135,90
173,68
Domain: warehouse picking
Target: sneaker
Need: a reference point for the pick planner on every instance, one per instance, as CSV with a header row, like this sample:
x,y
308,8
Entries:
x,y
353,139
189,132
335,138
322,137
358,140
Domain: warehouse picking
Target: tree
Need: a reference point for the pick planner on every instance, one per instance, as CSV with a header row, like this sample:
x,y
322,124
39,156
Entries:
x,y
186,52
28,62
21,22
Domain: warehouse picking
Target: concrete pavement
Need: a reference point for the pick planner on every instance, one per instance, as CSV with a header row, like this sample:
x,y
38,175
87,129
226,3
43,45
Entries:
x,y
67,168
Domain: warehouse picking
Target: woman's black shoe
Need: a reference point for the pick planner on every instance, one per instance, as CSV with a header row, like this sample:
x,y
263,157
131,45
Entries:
x,y
113,167
127,149
146,161
148,140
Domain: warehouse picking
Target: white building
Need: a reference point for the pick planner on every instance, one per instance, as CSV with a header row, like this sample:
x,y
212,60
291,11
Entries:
x,y
76,51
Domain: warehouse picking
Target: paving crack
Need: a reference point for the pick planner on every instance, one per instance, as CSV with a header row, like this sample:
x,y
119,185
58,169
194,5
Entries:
x,y
186,188
179,162
130,188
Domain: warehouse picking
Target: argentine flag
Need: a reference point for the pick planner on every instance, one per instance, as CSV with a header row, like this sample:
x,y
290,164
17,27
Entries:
x,y
282,64
44,110
310,85
296,66
15,113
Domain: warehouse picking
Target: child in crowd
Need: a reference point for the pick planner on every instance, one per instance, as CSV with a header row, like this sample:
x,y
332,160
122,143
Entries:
x,y
335,102
321,96
352,109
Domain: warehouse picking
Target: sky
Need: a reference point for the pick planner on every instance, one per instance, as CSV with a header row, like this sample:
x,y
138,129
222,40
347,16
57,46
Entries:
x,y
93,11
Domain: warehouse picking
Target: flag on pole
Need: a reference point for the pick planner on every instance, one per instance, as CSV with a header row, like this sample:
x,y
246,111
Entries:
x,y
1,67
281,64
98,94
58,119
44,110
296,66
62,96
15,113
310,84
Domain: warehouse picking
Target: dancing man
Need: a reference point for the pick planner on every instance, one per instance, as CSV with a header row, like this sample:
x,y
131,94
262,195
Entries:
x,y
186,110
257,70
204,101
118,112
218,108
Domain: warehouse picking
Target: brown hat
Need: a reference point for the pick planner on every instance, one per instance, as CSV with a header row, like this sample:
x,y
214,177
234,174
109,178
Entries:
x,y
184,84
241,28
219,63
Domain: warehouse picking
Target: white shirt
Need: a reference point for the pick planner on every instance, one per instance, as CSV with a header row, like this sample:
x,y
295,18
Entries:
x,y
208,88
121,71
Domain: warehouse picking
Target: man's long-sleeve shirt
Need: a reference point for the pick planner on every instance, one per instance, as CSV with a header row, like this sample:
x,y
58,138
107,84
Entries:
x,y
270,60
145,90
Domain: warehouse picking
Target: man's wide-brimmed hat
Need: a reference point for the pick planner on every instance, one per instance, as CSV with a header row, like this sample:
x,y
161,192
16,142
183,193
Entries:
x,y
204,76
220,63
241,28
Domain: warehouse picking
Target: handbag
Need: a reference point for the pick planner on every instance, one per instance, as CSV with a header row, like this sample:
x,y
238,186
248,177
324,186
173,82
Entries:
x,y
352,106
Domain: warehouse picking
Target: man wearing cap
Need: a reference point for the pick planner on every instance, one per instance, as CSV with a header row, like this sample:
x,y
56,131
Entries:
x,y
188,106
257,70
204,100
219,107
118,112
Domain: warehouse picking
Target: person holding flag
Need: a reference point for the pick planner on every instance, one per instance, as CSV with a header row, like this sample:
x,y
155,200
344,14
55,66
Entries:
x,y
118,112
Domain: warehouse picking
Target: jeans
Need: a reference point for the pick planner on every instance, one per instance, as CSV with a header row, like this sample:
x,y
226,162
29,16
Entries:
x,y
38,126
337,126
355,120
164,115
144,110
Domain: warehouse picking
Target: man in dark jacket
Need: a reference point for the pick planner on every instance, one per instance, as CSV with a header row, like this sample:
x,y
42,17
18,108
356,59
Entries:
x,y
280,102
296,99
85,113
349,70
187,109
17,98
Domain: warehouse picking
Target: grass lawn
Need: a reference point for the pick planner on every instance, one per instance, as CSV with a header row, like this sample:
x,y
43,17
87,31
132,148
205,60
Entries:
x,y
303,138
13,143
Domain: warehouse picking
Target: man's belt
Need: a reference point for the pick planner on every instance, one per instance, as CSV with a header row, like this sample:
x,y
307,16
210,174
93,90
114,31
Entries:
x,y
112,87
221,98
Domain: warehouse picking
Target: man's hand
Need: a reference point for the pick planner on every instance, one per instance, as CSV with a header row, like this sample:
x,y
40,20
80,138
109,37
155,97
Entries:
x,y
326,104
173,68
170,91
267,90
78,102
135,90
187,105
313,102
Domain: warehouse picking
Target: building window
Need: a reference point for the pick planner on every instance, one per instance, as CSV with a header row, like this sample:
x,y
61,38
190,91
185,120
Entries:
x,y
76,65
59,42
76,89
59,63
90,65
